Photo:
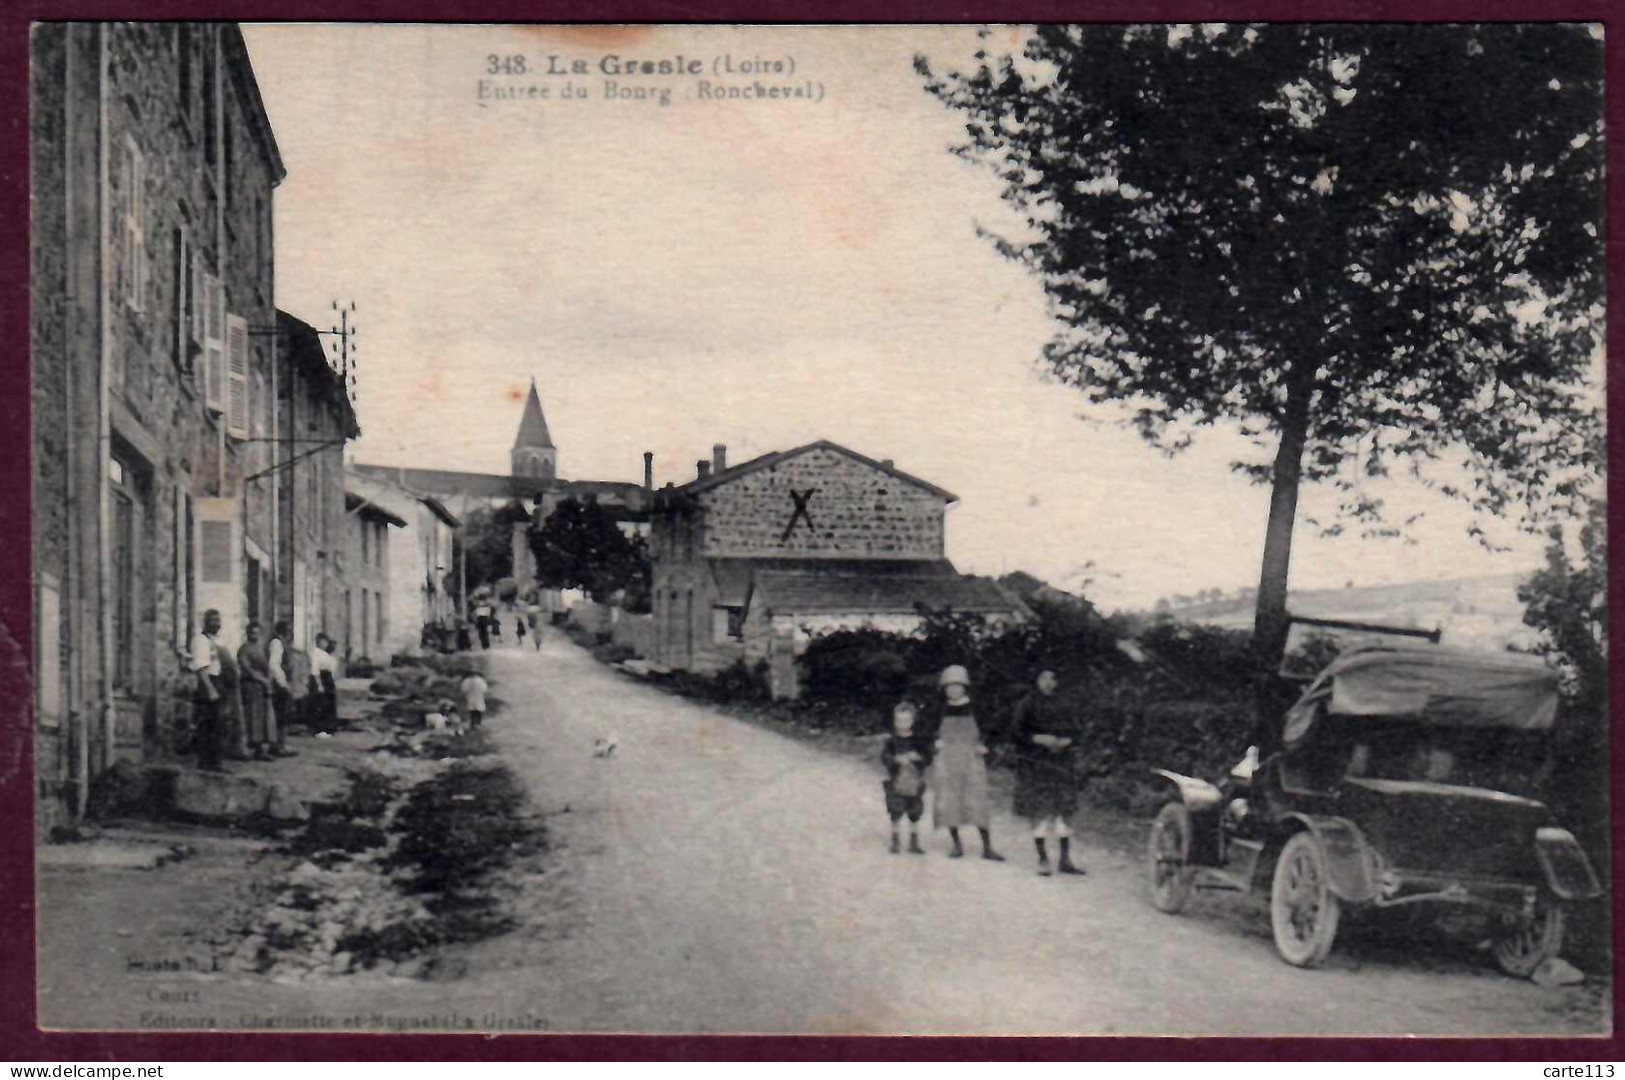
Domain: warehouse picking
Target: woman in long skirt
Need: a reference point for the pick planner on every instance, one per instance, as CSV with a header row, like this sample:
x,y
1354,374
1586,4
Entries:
x,y
959,768
254,667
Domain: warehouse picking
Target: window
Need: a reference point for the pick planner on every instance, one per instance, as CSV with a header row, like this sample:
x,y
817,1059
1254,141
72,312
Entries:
x,y
251,584
366,544
382,620
214,345
132,277
210,102
183,71
226,166
185,346
190,590
727,624
123,587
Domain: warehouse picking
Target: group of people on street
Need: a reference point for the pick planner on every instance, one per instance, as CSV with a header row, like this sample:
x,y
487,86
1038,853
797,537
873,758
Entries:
x,y
488,625
243,703
949,759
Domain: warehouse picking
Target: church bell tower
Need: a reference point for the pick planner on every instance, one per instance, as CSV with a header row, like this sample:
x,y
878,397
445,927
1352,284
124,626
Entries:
x,y
533,455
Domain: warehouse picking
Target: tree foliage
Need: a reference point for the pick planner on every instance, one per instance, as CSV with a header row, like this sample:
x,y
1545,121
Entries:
x,y
1367,246
1567,600
486,542
580,546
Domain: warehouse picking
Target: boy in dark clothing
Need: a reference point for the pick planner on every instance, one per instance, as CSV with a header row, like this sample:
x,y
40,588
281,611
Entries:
x,y
905,756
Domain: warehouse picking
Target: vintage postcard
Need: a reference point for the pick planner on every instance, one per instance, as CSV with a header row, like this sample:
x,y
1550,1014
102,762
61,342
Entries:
x,y
828,530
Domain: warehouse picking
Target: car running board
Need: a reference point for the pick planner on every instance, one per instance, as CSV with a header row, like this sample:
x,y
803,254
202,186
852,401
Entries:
x,y
1236,875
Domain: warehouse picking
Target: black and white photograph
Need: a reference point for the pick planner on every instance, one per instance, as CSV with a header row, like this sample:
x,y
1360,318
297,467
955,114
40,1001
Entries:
x,y
1082,530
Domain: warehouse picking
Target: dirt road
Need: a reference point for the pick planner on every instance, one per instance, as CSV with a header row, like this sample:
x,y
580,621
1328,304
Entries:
x,y
713,876
726,878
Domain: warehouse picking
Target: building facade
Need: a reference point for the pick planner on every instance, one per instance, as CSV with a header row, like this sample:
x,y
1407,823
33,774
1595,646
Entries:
x,y
418,569
748,561
372,533
160,381
315,419
153,168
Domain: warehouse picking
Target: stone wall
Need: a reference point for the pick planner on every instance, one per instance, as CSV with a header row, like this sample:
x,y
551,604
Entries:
x,y
125,199
856,511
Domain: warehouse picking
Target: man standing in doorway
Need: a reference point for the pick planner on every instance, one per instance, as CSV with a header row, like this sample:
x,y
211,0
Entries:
x,y
1046,787
205,666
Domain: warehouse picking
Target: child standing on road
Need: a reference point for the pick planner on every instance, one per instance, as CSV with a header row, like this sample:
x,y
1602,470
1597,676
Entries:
x,y
474,687
905,756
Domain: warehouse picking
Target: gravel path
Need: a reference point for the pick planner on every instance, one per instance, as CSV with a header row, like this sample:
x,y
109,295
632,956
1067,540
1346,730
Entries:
x,y
720,877
714,876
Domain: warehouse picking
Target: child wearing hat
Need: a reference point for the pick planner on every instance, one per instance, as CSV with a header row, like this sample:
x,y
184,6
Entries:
x,y
959,772
905,755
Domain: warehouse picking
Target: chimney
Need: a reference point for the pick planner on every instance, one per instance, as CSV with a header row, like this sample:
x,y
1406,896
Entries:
x,y
703,467
719,458
648,470
889,463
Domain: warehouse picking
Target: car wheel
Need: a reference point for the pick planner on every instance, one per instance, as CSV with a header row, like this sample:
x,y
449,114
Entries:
x,y
1303,911
1524,946
1168,858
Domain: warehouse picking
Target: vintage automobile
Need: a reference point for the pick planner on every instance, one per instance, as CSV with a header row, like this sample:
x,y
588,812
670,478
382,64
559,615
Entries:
x,y
1391,789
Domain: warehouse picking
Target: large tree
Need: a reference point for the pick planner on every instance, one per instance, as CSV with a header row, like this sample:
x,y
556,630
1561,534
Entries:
x,y
1366,246
580,546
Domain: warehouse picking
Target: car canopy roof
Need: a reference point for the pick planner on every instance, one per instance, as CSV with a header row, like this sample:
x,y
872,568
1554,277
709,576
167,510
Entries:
x,y
1448,687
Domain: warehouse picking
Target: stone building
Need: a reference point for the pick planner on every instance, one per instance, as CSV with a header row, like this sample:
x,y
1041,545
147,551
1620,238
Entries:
x,y
532,481
417,561
371,533
750,560
153,165
315,419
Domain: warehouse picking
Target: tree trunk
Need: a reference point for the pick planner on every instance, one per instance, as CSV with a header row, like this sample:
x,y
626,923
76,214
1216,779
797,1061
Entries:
x,y
1270,624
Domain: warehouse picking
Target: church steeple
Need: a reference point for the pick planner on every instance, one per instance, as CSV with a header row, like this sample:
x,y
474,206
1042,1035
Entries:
x,y
533,454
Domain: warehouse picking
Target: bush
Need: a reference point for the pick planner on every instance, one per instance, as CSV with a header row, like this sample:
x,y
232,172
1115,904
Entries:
x,y
861,666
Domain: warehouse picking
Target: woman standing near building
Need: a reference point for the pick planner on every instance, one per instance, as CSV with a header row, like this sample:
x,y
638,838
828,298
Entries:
x,y
959,769
254,665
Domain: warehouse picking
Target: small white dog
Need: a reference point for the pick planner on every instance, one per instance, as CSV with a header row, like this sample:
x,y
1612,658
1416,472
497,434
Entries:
x,y
604,746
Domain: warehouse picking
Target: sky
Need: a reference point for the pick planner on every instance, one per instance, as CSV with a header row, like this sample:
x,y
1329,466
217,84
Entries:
x,y
758,273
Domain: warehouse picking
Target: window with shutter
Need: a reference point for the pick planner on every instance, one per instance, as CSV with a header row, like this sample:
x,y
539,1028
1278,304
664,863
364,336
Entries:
x,y
184,347
237,396
214,351
133,274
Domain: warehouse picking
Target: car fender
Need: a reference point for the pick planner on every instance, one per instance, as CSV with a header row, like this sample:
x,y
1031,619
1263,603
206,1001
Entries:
x,y
1568,871
1203,800
1198,796
1351,864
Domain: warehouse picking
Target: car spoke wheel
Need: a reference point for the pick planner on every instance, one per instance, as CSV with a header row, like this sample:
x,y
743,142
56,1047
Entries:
x,y
1303,911
1168,858
1529,943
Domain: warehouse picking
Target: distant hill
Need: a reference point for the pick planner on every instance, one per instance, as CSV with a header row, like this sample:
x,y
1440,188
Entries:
x,y
1475,612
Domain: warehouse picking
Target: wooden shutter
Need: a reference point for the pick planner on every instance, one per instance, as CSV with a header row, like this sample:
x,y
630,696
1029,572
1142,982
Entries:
x,y
237,386
134,279
214,351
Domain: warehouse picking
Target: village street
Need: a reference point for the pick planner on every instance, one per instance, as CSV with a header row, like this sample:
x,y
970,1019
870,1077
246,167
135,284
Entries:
x,y
729,878
715,876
